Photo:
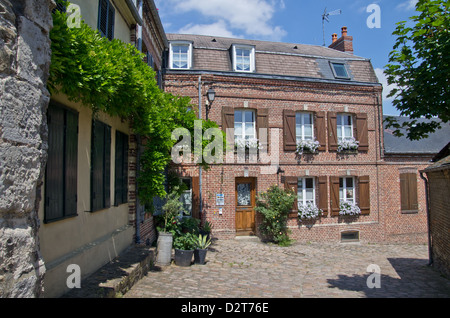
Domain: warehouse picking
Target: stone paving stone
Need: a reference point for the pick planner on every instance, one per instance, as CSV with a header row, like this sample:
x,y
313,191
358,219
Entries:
x,y
251,269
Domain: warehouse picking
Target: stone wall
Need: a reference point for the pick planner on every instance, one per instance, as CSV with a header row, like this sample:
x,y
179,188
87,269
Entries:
x,y
24,68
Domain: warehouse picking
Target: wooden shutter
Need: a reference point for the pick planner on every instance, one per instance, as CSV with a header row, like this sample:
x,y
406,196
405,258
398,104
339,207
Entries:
x,y
111,21
289,136
323,195
362,132
54,180
107,167
125,169
364,194
334,192
118,171
195,197
320,130
227,118
71,162
291,184
332,131
408,192
262,122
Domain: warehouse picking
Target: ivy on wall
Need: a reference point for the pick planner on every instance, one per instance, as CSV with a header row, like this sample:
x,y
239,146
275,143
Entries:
x,y
112,77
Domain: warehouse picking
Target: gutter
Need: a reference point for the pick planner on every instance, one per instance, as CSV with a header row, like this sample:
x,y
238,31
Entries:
x,y
430,250
134,11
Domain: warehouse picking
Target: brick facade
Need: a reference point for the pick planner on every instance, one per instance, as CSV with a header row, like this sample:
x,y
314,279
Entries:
x,y
385,222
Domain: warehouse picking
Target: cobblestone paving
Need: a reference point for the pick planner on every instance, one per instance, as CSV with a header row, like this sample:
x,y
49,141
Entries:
x,y
251,269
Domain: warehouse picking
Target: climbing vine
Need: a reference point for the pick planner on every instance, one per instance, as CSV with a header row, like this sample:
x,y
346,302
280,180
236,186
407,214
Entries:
x,y
112,77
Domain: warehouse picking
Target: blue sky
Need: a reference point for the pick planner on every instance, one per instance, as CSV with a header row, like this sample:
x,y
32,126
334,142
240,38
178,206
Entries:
x,y
293,21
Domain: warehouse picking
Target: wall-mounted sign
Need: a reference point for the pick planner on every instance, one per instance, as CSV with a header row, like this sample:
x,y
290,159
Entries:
x,y
220,199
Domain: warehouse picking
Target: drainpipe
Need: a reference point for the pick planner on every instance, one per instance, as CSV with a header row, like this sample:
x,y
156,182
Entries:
x,y
200,168
430,251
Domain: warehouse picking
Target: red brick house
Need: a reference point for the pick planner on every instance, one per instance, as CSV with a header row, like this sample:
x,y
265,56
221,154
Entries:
x,y
296,93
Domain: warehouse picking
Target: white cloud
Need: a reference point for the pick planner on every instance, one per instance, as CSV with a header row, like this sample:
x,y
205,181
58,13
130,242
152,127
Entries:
x,y
219,28
253,17
407,5
386,87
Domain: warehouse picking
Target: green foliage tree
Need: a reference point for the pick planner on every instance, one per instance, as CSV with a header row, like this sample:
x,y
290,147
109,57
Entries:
x,y
112,77
420,69
274,206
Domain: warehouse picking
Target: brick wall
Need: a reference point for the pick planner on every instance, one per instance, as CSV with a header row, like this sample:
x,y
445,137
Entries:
x,y
439,185
385,221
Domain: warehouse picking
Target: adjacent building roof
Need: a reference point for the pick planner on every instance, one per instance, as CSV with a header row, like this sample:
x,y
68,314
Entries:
x,y
402,145
211,53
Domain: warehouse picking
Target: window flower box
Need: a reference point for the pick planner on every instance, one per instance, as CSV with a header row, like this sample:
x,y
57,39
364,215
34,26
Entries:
x,y
252,143
348,145
308,211
307,146
349,208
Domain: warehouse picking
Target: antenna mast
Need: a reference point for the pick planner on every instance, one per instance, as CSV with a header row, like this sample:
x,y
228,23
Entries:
x,y
325,17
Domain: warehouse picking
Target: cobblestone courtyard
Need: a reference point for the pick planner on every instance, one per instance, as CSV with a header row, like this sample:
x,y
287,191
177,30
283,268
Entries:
x,y
251,269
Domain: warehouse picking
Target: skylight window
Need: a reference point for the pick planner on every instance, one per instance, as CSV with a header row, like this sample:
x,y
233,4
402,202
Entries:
x,y
339,70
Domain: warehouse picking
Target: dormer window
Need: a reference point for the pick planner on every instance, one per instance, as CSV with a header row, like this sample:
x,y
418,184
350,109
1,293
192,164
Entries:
x,y
243,58
180,57
339,70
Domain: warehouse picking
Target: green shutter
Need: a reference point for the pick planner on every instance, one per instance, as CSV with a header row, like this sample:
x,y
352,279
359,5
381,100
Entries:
x,y
118,177
107,168
97,165
71,159
54,180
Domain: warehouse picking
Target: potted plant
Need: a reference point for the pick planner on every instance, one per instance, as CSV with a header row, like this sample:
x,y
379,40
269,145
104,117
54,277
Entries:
x,y
308,211
184,249
170,211
349,208
307,146
348,145
206,229
201,247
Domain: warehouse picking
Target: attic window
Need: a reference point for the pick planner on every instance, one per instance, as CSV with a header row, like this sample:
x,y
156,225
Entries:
x,y
243,58
339,70
180,55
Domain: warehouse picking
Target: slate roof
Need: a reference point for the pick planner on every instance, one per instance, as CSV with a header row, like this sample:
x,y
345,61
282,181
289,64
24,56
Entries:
x,y
275,58
402,145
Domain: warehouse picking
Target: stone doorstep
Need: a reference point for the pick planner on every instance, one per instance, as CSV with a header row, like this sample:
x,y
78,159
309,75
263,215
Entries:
x,y
118,276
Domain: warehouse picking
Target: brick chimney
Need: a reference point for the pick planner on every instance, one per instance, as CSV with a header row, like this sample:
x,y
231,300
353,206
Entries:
x,y
344,43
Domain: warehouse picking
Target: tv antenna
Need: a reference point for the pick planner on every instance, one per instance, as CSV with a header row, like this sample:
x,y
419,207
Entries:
x,y
325,17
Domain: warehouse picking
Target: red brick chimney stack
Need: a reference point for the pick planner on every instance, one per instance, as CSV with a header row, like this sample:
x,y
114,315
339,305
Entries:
x,y
344,43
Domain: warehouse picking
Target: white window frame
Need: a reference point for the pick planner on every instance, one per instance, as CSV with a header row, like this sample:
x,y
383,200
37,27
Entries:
x,y
243,122
303,189
340,126
343,190
300,134
252,57
189,55
332,64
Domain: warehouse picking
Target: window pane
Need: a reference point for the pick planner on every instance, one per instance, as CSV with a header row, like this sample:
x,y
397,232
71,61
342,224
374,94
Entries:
x,y
349,182
340,70
238,116
309,195
238,129
249,117
244,194
347,120
300,183
348,131
309,183
307,119
341,182
308,131
250,129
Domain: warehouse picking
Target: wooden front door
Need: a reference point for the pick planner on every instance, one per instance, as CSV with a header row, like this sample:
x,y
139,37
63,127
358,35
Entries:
x,y
245,206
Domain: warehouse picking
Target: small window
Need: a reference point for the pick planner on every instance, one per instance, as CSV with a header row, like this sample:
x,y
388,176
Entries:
x,y
121,169
304,126
350,236
243,58
244,125
344,126
339,70
180,55
306,192
347,189
186,197
106,16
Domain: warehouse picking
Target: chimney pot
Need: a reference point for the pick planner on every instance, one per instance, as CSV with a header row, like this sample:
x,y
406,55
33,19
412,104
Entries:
x,y
344,31
334,37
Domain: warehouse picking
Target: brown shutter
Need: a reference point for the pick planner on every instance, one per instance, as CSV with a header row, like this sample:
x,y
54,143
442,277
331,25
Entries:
x,y
408,192
364,195
320,130
362,131
291,184
289,137
323,195
227,118
262,122
196,197
334,191
332,132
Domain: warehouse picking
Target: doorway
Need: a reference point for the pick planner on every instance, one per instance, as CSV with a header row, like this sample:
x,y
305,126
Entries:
x,y
245,206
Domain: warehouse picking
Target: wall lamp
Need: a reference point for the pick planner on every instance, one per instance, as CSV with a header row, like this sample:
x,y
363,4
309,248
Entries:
x,y
211,97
